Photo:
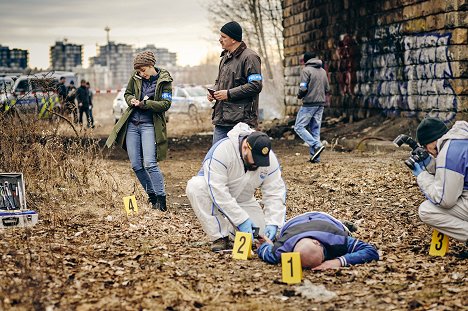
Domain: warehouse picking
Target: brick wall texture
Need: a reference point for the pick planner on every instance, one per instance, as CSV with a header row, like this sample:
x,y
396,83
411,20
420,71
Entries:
x,y
401,57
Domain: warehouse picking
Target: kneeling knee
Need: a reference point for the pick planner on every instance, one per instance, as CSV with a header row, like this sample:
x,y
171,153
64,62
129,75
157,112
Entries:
x,y
424,211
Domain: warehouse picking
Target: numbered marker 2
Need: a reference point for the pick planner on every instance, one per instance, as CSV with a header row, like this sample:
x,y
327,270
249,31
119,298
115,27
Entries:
x,y
130,204
242,246
291,267
439,244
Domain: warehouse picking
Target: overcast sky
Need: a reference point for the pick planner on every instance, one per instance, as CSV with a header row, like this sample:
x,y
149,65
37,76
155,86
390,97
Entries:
x,y
182,26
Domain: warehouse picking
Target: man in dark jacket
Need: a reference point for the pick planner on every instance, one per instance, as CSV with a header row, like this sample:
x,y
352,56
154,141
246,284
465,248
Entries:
x,y
82,96
312,90
322,241
238,85
62,93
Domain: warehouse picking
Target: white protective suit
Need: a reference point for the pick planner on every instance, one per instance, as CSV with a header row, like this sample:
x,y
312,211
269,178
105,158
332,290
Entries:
x,y
223,192
445,185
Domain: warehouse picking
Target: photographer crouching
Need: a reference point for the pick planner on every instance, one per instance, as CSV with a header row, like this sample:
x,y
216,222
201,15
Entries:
x,y
443,177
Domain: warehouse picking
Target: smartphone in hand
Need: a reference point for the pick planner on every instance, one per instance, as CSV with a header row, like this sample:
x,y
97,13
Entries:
x,y
211,91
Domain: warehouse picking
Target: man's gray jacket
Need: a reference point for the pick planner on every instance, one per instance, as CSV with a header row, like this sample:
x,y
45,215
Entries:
x,y
314,84
241,75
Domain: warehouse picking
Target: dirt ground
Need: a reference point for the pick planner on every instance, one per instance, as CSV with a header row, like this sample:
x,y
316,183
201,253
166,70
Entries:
x,y
86,254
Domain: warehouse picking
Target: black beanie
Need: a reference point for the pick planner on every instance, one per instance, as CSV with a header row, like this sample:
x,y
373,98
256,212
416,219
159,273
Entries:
x,y
430,130
233,30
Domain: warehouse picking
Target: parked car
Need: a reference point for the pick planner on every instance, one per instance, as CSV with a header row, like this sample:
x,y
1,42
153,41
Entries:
x,y
189,99
119,105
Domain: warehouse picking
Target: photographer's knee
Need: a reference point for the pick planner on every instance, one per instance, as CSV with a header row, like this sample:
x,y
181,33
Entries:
x,y
424,211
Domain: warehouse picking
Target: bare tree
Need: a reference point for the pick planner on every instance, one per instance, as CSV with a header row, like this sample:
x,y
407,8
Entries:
x,y
261,21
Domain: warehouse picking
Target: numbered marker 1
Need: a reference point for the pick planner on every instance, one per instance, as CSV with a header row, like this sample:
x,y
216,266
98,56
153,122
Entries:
x,y
242,246
439,244
130,204
291,267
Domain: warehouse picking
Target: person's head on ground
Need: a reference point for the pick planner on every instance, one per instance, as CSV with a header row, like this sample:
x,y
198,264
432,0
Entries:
x,y
231,36
83,83
308,56
144,63
62,80
428,132
256,150
311,252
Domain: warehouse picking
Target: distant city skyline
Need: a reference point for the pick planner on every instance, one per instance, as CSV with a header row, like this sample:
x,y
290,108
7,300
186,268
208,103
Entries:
x,y
180,26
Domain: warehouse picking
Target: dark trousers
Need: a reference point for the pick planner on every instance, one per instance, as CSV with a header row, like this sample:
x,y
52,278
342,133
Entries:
x,y
84,109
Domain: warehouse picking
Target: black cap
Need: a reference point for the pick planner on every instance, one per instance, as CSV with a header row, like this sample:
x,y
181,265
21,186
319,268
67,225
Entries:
x,y
233,30
430,130
260,145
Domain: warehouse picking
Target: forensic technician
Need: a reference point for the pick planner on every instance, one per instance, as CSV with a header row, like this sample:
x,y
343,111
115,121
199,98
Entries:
x,y
322,241
222,194
444,180
238,84
141,130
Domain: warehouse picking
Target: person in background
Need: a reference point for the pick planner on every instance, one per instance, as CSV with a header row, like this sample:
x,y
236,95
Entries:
x,y
82,97
70,105
238,84
62,94
313,89
141,130
90,92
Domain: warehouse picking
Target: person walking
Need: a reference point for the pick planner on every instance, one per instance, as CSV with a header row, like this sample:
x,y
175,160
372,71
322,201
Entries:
x,y
238,84
62,94
313,89
141,130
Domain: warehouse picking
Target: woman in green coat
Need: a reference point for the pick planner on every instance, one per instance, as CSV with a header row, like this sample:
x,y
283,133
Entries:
x,y
142,128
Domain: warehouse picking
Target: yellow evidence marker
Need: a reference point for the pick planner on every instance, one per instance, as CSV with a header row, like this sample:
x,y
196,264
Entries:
x,y
439,244
130,205
242,248
291,268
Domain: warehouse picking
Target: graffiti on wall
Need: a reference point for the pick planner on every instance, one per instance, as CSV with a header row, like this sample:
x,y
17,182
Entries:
x,y
399,72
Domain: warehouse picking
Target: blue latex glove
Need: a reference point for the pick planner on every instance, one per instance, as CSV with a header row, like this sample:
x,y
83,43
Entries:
x,y
426,162
417,169
270,231
246,226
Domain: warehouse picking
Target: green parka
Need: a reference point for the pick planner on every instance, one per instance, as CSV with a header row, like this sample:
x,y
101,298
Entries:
x,y
158,106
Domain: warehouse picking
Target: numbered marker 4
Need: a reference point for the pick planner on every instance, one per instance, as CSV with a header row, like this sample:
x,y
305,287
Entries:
x,y
242,246
291,268
130,205
439,244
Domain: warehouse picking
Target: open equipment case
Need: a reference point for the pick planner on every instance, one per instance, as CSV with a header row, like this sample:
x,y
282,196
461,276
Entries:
x,y
13,210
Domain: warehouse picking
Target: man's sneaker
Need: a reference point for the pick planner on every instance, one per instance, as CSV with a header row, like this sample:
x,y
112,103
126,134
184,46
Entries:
x,y
314,157
220,244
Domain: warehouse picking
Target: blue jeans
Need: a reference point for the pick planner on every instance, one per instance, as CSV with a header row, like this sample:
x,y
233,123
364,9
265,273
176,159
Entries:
x,y
308,121
141,149
220,132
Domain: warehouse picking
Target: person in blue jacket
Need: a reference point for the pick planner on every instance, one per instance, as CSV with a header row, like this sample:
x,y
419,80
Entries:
x,y
322,241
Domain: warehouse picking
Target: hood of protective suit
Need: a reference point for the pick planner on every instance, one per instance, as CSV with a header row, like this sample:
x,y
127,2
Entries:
x,y
241,129
314,62
458,131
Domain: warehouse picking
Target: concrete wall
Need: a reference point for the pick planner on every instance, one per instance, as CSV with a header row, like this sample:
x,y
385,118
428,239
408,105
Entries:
x,y
403,57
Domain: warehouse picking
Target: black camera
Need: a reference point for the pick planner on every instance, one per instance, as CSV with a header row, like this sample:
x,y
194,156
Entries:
x,y
418,154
